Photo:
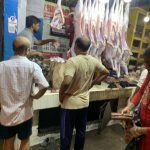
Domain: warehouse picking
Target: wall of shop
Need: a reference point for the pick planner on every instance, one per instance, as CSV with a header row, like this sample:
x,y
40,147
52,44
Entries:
x,y
22,4
20,9
36,8
30,7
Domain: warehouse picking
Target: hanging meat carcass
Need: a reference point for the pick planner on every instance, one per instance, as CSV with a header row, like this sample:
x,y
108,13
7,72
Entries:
x,y
106,29
77,18
58,19
105,24
114,52
124,28
77,23
109,50
123,51
117,58
92,27
84,21
123,36
92,23
103,36
125,46
96,28
89,14
100,26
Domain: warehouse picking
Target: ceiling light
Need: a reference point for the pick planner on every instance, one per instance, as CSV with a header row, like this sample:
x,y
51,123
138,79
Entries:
x,y
146,19
127,1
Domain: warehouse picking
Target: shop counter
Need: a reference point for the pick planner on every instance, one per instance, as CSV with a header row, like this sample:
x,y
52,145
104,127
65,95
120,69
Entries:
x,y
97,93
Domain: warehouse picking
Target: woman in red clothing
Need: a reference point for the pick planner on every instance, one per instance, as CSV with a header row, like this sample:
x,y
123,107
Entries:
x,y
142,95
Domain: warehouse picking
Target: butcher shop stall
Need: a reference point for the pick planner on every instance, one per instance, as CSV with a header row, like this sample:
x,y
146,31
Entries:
x,y
119,31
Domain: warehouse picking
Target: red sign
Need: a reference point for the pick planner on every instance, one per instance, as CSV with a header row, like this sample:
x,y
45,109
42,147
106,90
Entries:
x,y
50,8
52,54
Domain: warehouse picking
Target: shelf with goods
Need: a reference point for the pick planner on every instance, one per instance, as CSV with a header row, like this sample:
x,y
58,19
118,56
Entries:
x,y
138,35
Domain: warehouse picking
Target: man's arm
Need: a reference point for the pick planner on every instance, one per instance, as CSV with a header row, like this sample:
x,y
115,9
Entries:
x,y
68,76
100,72
100,77
40,80
64,86
34,53
39,94
42,42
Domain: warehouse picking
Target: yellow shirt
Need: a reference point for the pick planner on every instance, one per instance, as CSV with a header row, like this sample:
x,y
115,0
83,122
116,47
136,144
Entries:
x,y
82,68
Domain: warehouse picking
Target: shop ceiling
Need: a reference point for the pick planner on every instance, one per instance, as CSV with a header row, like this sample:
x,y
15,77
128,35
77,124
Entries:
x,y
134,3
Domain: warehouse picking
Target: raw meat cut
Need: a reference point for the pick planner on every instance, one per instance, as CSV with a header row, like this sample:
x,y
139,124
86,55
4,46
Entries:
x,y
77,23
84,22
58,19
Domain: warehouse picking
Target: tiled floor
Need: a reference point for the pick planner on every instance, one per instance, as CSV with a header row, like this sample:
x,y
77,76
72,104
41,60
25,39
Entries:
x,y
111,138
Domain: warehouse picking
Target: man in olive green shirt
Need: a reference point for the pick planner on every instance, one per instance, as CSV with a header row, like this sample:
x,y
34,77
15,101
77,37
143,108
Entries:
x,y
74,93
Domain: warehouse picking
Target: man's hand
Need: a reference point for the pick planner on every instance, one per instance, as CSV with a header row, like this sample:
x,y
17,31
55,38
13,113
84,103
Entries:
x,y
34,53
64,86
56,44
42,42
99,76
39,94
34,96
39,54
63,97
53,40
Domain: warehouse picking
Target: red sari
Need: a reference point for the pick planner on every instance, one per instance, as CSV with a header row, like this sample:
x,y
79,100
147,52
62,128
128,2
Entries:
x,y
144,94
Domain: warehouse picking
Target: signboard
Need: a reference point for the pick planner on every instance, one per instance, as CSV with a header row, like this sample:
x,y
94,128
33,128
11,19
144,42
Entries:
x,y
12,24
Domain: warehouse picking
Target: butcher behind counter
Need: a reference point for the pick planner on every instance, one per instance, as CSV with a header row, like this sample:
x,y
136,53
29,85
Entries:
x,y
32,27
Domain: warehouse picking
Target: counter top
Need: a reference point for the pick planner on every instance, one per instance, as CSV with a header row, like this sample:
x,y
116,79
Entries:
x,y
97,93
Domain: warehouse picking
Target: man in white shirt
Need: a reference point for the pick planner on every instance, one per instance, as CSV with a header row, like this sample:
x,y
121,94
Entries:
x,y
17,76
